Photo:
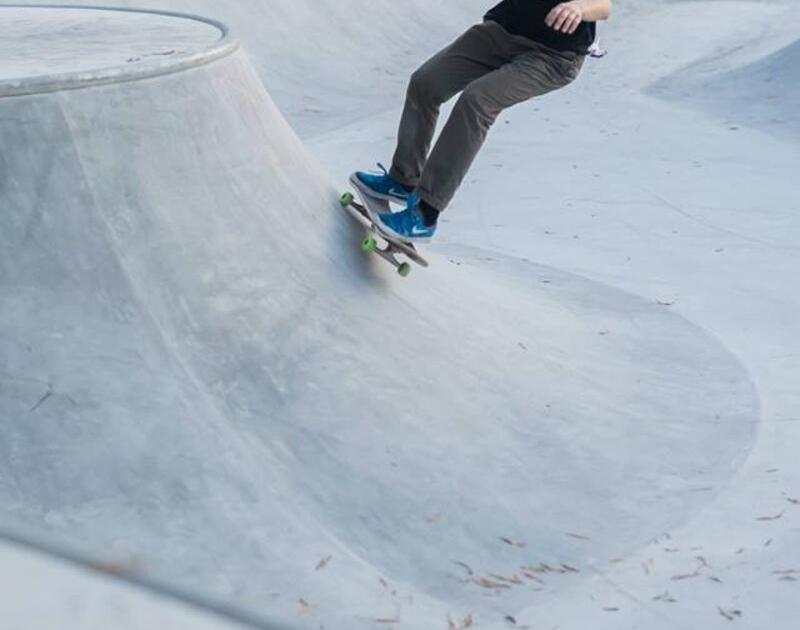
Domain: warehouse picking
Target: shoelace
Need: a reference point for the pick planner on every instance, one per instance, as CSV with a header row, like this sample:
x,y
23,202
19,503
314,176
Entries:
x,y
412,198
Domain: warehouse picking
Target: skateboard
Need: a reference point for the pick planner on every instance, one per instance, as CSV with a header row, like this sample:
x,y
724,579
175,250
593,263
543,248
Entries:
x,y
366,214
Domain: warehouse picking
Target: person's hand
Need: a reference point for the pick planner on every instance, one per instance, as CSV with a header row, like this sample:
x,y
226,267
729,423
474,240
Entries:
x,y
565,17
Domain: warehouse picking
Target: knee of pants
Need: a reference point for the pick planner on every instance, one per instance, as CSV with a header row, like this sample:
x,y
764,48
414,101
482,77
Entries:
x,y
423,87
479,105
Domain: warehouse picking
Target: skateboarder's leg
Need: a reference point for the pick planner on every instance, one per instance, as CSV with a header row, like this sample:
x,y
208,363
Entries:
x,y
532,73
475,53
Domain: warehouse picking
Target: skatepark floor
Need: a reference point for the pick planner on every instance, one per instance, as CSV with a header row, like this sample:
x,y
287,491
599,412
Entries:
x,y
583,415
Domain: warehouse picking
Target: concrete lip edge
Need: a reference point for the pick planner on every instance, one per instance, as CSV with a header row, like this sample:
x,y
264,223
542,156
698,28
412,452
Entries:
x,y
130,578
226,45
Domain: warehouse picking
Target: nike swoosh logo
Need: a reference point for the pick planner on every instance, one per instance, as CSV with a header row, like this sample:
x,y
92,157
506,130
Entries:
x,y
417,231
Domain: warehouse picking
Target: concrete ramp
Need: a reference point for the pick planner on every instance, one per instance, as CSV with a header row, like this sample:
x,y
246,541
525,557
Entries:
x,y
200,372
328,62
764,94
755,83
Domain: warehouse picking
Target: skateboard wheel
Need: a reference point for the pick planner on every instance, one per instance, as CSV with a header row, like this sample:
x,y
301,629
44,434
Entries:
x,y
346,199
369,245
404,270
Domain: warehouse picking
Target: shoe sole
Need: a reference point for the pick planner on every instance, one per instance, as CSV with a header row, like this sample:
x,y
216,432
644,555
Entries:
x,y
405,239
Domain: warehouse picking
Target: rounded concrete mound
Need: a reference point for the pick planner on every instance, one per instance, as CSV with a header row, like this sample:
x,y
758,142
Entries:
x,y
46,48
200,370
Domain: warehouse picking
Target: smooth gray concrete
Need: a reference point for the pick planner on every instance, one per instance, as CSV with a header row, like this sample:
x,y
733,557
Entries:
x,y
200,371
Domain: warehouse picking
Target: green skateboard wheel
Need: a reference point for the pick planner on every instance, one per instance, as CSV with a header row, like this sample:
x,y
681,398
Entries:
x,y
346,199
369,245
404,270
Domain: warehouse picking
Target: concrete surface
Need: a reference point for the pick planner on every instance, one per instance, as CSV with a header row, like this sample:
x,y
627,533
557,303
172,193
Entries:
x,y
201,373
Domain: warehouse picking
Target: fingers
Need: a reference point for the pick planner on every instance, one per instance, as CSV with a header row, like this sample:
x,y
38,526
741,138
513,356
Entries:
x,y
556,16
551,17
572,25
569,22
564,18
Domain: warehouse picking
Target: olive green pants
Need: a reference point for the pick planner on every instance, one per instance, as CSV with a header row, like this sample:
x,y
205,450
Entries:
x,y
493,70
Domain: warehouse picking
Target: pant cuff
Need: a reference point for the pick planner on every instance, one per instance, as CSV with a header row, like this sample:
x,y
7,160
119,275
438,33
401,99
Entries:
x,y
432,200
397,176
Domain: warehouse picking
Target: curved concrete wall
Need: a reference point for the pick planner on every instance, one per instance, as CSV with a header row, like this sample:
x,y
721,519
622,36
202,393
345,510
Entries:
x,y
201,371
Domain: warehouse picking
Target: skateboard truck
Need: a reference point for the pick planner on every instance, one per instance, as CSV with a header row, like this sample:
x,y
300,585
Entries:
x,y
371,243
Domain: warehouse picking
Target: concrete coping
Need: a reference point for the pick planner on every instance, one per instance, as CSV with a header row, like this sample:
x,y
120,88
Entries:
x,y
51,47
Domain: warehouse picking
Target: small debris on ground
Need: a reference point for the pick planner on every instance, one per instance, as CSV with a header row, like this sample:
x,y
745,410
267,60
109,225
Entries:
x,y
771,518
468,622
487,583
323,563
578,536
730,615
509,541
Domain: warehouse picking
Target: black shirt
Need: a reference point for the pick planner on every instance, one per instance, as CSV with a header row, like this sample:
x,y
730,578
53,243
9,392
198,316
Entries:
x,y
526,18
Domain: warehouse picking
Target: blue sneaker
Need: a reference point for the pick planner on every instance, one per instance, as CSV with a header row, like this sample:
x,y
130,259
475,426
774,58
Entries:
x,y
380,185
408,225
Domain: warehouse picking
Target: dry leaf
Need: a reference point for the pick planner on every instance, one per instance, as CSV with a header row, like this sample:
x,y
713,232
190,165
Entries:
x,y
513,543
323,563
487,583
730,615
533,577
512,580
578,536
771,518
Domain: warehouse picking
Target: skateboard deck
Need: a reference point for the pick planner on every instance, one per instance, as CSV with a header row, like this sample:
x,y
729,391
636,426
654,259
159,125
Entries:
x,y
366,213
